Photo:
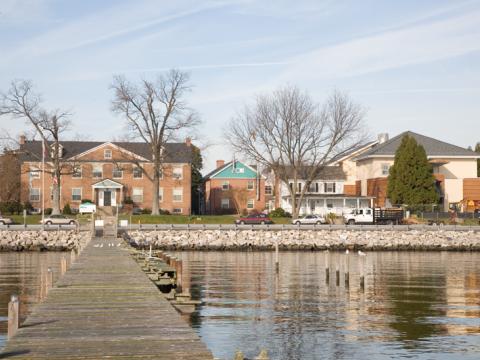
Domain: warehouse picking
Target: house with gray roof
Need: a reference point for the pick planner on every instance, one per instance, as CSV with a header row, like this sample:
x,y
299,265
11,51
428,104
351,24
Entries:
x,y
454,168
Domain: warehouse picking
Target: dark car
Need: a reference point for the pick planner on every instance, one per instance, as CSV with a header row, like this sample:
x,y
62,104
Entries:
x,y
254,219
476,214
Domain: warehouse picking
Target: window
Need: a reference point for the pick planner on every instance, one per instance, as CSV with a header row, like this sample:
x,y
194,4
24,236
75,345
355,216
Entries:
x,y
238,170
329,187
313,187
77,172
299,187
177,173
225,203
250,203
34,194
107,153
137,172
76,194
160,194
117,173
268,190
137,195
177,210
97,171
177,194
34,174
250,185
225,185
385,169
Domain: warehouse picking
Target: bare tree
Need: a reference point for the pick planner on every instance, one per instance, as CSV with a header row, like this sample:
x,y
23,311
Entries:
x,y
156,113
23,103
288,133
10,176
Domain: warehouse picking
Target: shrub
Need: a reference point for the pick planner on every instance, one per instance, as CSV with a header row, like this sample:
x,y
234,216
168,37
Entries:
x,y
164,212
28,206
146,211
67,210
128,201
48,211
279,212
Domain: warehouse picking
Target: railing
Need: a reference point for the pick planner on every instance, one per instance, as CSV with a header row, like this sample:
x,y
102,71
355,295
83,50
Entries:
x,y
37,227
277,227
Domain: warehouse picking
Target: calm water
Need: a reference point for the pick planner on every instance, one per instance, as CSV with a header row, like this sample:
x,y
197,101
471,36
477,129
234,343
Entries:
x,y
23,274
415,305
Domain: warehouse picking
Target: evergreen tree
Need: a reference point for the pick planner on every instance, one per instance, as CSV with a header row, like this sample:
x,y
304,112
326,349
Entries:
x,y
411,179
477,149
197,165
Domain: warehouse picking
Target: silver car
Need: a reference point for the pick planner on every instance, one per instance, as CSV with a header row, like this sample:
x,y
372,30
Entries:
x,y
310,220
5,221
58,220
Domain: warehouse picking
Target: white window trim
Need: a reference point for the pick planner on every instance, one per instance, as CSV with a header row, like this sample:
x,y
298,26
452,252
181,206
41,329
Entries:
x,y
113,174
30,195
94,167
133,173
81,194
80,171
228,186
387,168
253,204
174,175
173,195
271,190
133,195
34,174
248,185
177,212
160,194
227,201
105,151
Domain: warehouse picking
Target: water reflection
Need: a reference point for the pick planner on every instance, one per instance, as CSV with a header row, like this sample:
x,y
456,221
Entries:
x,y
423,305
23,273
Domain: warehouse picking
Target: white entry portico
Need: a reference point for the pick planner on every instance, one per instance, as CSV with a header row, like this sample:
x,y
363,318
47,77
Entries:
x,y
107,193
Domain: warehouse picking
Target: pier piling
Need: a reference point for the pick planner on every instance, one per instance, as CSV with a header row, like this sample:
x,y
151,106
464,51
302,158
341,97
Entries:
x,y
13,315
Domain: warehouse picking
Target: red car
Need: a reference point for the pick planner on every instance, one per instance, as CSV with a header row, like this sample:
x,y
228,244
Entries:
x,y
254,219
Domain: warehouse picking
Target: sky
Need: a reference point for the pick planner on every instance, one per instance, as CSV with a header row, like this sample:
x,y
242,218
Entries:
x,y
413,65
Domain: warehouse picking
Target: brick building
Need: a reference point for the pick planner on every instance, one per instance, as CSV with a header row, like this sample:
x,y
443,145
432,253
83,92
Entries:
x,y
232,188
108,173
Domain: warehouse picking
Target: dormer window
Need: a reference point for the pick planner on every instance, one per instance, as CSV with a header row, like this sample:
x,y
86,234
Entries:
x,y
107,154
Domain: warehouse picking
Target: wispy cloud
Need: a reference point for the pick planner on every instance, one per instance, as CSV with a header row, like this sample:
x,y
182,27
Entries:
x,y
418,44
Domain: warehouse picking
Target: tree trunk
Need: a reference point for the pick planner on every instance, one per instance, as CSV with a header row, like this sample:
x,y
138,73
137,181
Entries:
x,y
156,188
56,188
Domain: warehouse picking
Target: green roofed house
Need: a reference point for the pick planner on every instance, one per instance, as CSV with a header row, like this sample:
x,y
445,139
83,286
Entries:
x,y
232,188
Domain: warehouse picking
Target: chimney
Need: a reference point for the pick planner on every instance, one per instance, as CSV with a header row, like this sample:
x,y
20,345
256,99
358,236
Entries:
x,y
22,140
188,141
220,163
382,138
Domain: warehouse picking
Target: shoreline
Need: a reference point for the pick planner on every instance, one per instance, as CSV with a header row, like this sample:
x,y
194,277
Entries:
x,y
38,240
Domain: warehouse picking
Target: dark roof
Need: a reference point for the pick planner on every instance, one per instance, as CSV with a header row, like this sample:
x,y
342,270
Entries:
x,y
326,173
174,152
206,177
433,147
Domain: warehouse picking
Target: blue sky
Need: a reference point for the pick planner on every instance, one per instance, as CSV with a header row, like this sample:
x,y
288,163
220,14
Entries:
x,y
414,65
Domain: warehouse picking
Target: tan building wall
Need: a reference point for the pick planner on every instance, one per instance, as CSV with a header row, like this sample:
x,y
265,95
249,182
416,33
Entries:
x,y
119,160
459,169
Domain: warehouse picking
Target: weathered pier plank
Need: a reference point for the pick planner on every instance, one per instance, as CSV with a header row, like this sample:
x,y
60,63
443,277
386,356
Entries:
x,y
105,307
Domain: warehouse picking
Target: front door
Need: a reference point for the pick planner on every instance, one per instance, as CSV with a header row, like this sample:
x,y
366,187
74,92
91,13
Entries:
x,y
107,198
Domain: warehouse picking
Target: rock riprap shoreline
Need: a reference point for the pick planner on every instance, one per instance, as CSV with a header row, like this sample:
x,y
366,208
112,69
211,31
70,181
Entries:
x,y
305,240
41,240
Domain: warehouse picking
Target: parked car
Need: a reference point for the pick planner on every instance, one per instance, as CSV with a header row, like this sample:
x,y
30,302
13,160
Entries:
x,y
58,220
310,220
137,211
87,208
5,220
254,219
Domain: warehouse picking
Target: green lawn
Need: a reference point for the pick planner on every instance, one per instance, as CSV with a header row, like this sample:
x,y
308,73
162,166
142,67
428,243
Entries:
x,y
35,219
182,219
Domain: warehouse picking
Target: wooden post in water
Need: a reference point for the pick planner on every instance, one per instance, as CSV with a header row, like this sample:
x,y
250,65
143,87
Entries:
x,y
263,355
361,264
63,266
179,269
49,281
347,270
277,265
13,316
327,267
337,273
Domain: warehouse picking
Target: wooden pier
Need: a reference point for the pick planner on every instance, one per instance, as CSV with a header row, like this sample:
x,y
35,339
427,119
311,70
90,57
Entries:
x,y
105,307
